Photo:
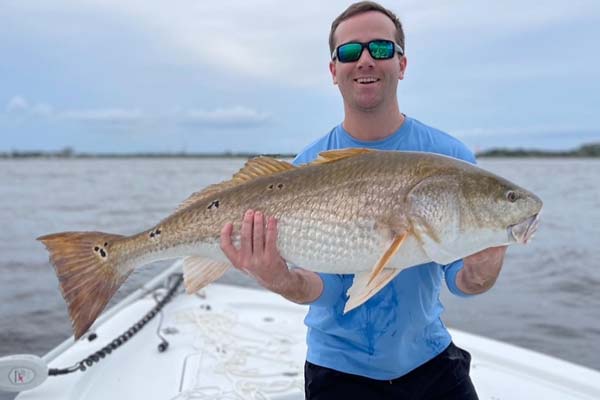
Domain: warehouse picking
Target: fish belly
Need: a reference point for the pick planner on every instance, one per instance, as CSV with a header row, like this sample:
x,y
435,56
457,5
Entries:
x,y
331,247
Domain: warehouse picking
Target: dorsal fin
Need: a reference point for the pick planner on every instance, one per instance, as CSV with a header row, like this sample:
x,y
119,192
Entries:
x,y
336,155
254,168
261,166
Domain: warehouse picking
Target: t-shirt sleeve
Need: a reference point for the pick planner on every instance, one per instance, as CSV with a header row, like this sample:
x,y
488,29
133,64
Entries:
x,y
333,288
304,157
450,272
462,152
299,159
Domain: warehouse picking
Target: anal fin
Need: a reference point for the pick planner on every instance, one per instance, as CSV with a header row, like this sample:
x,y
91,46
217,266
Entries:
x,y
199,272
363,287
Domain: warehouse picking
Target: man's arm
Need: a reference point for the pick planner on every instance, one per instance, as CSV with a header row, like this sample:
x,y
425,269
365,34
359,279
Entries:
x,y
259,257
481,270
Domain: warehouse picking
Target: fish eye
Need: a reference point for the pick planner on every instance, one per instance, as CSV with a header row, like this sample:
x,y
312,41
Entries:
x,y
511,196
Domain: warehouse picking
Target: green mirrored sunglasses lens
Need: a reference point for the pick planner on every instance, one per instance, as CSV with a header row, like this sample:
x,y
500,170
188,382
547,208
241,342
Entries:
x,y
381,50
349,52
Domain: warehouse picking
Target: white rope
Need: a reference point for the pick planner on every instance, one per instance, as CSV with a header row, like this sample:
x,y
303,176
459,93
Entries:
x,y
252,359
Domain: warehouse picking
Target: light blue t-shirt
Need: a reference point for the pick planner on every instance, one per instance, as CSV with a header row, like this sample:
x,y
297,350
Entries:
x,y
400,327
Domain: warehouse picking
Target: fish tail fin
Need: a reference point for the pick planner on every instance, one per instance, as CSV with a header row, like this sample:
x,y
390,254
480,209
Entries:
x,y
89,272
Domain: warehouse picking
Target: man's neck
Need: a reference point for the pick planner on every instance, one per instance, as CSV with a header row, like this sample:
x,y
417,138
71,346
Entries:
x,y
372,126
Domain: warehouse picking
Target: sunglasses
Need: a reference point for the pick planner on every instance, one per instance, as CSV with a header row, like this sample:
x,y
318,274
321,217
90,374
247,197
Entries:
x,y
379,49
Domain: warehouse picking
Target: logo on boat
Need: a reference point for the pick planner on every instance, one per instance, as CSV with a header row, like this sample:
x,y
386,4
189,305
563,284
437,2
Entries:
x,y
21,376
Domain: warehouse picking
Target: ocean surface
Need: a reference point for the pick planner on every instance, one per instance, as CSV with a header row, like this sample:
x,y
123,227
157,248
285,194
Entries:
x,y
546,299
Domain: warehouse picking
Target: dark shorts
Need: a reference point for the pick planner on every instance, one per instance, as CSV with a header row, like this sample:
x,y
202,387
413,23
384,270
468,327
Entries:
x,y
446,376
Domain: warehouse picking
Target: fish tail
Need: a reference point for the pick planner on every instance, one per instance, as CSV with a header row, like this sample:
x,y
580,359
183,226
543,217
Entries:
x,y
89,271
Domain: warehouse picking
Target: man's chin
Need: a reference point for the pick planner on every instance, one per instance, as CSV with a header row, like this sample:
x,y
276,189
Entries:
x,y
368,105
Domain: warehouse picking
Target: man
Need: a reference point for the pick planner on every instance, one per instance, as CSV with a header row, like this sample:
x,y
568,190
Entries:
x,y
394,345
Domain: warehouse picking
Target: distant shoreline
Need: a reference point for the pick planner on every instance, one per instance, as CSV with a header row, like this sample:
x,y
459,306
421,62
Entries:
x,y
584,151
73,155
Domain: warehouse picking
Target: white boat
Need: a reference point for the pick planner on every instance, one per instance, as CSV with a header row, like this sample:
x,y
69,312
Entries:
x,y
231,342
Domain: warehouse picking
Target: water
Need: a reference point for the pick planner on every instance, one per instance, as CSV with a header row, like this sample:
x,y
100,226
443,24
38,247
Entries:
x,y
546,298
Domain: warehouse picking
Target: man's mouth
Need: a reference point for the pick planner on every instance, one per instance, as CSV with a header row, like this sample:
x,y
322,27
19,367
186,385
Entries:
x,y
366,80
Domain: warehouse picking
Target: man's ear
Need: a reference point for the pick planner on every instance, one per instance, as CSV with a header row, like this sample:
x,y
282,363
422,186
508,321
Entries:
x,y
403,62
333,71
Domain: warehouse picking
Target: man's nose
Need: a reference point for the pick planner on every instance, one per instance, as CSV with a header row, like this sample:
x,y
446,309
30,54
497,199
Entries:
x,y
365,59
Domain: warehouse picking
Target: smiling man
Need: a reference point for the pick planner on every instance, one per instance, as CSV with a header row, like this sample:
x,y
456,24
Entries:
x,y
395,345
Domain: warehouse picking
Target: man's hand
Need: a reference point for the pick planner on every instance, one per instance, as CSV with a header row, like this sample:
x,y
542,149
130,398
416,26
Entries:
x,y
481,270
259,257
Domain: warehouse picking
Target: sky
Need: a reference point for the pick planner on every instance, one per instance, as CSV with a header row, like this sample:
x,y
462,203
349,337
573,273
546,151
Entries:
x,y
194,76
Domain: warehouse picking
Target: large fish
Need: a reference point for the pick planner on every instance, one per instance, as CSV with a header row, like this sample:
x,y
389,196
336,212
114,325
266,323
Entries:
x,y
352,211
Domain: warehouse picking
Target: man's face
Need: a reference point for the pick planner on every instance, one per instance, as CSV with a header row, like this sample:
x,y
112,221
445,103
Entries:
x,y
367,84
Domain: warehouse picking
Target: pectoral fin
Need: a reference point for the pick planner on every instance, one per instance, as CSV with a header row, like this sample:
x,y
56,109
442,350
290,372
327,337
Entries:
x,y
199,272
363,288
387,256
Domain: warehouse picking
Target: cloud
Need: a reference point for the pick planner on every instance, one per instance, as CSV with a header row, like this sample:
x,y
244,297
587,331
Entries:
x,y
526,131
237,116
245,39
17,104
163,66
21,106
267,41
107,115
492,18
42,110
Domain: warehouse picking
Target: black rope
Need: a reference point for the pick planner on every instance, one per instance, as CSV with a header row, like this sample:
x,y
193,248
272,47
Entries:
x,y
121,339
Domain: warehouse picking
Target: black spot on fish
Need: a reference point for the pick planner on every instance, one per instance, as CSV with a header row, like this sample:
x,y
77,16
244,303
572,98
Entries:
x,y
154,233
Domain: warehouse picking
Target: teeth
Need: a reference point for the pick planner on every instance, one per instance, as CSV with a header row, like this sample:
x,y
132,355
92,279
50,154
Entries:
x,y
366,80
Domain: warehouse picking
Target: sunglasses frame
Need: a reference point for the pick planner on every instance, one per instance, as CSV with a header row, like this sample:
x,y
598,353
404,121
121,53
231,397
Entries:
x,y
365,45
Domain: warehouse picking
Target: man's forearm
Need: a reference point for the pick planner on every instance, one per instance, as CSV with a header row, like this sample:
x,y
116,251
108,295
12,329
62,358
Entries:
x,y
301,286
480,270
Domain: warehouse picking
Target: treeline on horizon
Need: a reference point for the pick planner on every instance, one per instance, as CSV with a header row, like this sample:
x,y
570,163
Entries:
x,y
70,153
586,150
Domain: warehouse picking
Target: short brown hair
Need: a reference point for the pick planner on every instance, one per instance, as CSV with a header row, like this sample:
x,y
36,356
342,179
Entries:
x,y
360,8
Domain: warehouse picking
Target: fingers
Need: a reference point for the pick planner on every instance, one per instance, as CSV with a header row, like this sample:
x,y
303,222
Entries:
x,y
257,255
257,248
258,237
246,233
226,244
271,236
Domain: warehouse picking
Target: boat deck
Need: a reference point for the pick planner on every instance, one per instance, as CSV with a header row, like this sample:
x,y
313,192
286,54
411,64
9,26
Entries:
x,y
238,343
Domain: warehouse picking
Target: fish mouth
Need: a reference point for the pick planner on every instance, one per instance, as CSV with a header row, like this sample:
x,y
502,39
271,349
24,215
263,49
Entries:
x,y
524,231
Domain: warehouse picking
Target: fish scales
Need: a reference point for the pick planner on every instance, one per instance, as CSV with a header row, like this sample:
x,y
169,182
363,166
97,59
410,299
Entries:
x,y
322,222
